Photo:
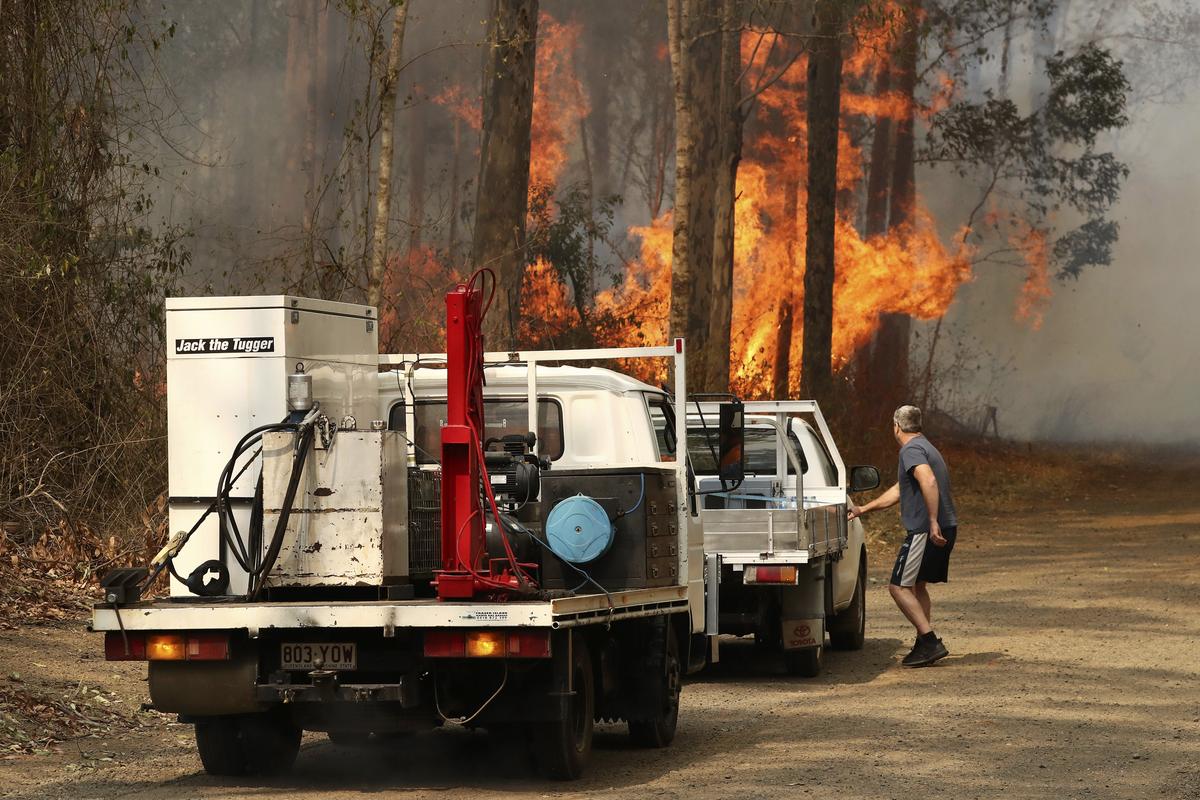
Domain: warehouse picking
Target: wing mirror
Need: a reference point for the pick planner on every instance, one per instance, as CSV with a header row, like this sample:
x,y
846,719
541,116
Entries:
x,y
863,478
731,443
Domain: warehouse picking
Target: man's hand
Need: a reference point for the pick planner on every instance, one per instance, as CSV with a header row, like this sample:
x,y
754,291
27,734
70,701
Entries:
x,y
853,512
935,534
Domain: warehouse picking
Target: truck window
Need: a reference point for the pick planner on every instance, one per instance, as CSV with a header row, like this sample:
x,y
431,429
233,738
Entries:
x,y
500,417
825,468
662,417
759,447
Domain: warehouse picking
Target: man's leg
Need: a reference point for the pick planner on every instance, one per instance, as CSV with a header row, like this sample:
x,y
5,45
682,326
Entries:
x,y
906,599
922,592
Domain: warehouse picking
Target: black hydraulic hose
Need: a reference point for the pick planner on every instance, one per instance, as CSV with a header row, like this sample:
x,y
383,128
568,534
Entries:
x,y
256,522
229,528
262,570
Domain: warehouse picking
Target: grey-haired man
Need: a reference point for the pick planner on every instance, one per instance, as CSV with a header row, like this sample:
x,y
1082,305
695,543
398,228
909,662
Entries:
x,y
927,511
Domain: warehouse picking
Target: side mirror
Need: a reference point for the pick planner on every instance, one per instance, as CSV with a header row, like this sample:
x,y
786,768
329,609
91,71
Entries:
x,y
731,441
863,478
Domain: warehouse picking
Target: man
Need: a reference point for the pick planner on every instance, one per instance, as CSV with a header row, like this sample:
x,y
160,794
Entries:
x,y
927,512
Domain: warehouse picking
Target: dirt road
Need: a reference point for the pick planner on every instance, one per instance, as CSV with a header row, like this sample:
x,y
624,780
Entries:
x,y
1075,673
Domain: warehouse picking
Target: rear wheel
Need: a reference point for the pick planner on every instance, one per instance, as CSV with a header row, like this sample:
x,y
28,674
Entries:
x,y
219,743
847,631
804,663
658,729
254,744
563,746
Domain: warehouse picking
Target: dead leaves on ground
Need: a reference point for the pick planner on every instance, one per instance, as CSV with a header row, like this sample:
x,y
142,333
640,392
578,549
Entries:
x,y
33,720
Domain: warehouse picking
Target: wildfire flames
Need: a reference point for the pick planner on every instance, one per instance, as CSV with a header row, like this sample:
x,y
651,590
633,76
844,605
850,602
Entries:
x,y
908,270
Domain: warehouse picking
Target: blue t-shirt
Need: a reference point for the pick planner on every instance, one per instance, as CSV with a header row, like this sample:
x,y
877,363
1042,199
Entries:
x,y
913,513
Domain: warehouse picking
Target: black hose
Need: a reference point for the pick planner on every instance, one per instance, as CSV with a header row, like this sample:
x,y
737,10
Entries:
x,y
229,527
264,569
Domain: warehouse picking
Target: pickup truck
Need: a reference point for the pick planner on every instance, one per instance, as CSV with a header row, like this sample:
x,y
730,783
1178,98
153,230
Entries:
x,y
310,593
790,567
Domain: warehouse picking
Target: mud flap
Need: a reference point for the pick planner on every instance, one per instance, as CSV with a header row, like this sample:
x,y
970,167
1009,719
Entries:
x,y
802,612
205,688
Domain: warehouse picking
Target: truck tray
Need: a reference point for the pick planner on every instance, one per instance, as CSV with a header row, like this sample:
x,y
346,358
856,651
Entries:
x,y
774,534
566,612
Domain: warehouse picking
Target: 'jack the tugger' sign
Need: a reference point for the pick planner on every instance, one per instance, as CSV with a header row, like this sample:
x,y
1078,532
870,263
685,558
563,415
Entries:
x,y
257,344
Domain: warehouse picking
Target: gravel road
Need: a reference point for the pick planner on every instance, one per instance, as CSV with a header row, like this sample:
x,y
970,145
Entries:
x,y
1075,653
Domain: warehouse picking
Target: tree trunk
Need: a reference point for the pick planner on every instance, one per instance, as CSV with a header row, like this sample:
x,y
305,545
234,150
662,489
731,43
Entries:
x,y
417,155
703,97
729,152
503,192
383,188
888,382
455,179
824,113
295,93
783,334
679,13
879,176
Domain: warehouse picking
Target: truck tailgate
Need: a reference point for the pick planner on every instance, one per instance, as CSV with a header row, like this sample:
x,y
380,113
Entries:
x,y
819,531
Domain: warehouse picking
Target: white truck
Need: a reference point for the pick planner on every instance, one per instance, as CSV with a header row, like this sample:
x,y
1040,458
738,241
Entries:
x,y
789,567
315,596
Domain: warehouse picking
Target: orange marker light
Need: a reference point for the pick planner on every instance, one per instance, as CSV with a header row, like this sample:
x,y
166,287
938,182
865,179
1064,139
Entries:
x,y
166,647
485,644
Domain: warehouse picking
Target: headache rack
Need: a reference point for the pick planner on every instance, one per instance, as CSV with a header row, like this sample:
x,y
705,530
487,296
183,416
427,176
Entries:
x,y
424,521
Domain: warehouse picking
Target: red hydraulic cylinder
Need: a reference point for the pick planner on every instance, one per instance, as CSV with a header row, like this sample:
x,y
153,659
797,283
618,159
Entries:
x,y
462,517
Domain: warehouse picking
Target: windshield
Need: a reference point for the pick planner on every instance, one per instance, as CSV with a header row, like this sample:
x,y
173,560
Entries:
x,y
500,417
759,449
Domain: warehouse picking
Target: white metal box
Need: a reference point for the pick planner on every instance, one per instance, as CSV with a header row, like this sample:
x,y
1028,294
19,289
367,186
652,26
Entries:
x,y
349,520
228,359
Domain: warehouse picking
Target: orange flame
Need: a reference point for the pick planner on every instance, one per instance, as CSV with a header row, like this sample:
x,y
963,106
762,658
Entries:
x,y
460,104
559,100
1035,290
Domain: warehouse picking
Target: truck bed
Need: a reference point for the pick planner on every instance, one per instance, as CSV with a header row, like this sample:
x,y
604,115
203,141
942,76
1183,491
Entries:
x,y
782,535
566,612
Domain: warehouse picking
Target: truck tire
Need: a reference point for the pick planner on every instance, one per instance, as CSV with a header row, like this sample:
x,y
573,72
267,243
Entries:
x,y
562,747
247,744
658,730
847,631
804,663
220,746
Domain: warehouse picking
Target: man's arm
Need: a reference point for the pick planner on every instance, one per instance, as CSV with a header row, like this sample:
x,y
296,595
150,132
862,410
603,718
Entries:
x,y
886,500
929,490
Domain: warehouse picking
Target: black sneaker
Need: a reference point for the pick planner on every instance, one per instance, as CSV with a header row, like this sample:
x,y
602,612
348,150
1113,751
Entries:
x,y
925,652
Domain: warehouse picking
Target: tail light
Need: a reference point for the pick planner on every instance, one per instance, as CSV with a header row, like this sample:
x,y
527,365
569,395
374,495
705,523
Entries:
x,y
487,644
207,647
762,573
166,646
124,647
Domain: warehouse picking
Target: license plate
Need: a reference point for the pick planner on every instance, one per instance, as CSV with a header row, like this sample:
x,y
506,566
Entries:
x,y
318,655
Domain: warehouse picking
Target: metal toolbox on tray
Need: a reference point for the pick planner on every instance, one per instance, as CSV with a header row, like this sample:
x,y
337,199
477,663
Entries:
x,y
641,503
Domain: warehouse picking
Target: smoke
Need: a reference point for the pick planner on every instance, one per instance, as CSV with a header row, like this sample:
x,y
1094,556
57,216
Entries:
x,y
1114,358
258,182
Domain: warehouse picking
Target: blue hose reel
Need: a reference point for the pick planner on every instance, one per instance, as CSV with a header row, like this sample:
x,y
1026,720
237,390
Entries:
x,y
578,530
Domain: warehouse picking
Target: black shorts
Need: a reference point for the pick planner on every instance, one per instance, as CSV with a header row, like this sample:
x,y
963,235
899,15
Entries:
x,y
920,559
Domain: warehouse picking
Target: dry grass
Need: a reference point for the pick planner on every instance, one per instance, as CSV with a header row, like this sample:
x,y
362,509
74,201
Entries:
x,y
32,720
993,477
